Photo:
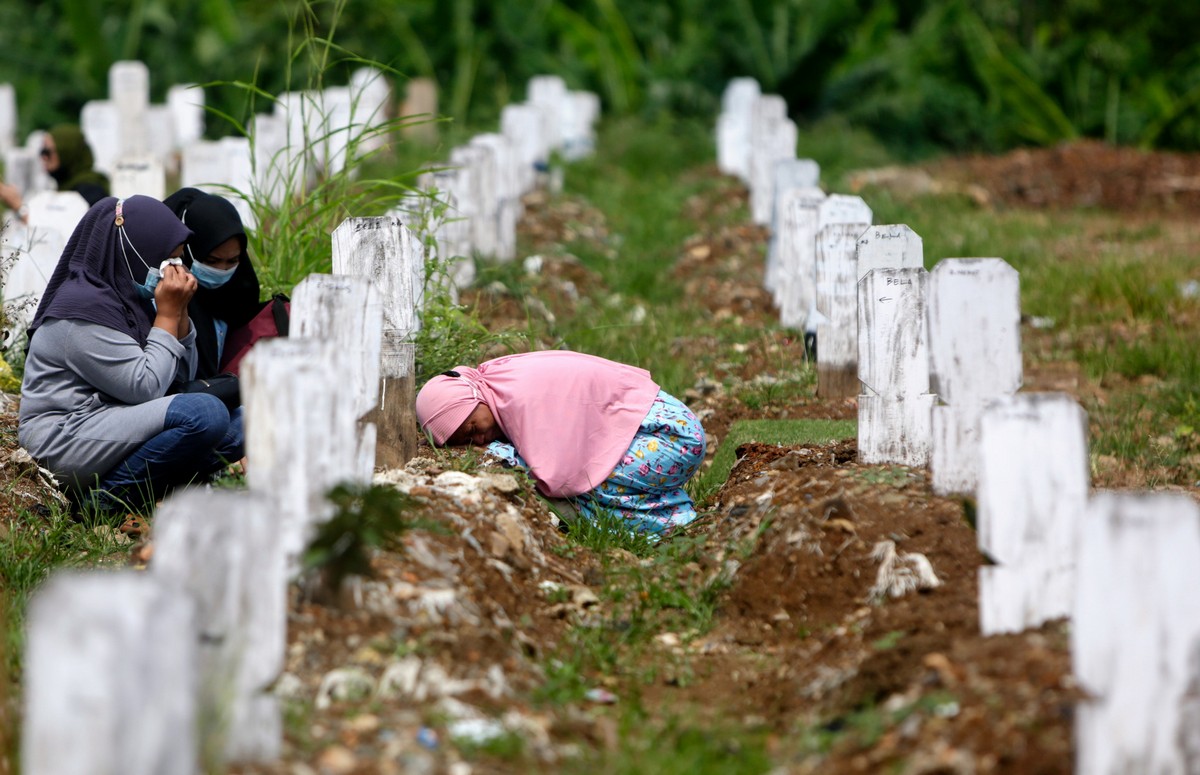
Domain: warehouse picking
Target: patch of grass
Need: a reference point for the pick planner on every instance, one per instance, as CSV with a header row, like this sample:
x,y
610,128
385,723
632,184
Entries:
x,y
782,432
677,745
607,531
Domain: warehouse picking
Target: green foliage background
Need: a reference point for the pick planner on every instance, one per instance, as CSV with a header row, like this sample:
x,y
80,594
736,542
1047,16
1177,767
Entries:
x,y
921,74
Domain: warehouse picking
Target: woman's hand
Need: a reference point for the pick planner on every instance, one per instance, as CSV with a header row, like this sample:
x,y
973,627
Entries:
x,y
11,198
171,297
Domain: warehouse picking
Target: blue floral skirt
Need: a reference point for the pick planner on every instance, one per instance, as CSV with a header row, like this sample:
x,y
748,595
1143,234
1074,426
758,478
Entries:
x,y
646,487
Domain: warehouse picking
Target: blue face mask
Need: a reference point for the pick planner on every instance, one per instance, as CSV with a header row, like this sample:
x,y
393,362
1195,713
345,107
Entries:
x,y
146,288
211,277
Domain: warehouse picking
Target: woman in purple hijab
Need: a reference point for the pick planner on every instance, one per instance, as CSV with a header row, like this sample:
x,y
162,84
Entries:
x,y
109,339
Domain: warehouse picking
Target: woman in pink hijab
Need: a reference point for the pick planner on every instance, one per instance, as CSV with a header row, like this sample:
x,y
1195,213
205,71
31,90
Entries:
x,y
599,433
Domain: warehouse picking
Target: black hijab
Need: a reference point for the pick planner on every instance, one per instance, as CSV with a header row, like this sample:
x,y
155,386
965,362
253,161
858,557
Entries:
x,y
95,279
213,220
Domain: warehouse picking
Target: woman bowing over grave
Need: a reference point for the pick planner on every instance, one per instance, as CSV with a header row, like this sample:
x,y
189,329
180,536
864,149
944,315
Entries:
x,y
110,336
600,434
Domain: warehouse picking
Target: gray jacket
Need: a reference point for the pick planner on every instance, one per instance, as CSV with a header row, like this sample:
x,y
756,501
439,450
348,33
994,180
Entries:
x,y
91,395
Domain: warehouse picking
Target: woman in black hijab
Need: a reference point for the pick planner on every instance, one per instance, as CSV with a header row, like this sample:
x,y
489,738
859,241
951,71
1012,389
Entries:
x,y
216,254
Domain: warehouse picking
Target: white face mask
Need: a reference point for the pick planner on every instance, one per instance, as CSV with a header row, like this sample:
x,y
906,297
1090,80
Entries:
x,y
211,277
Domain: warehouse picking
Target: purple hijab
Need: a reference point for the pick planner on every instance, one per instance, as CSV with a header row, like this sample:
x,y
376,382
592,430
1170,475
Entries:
x,y
94,282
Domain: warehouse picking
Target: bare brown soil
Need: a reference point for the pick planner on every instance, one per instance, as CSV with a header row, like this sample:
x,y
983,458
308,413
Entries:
x,y
467,622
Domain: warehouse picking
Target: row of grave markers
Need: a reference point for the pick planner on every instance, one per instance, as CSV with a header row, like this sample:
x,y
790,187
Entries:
x,y
937,356
144,672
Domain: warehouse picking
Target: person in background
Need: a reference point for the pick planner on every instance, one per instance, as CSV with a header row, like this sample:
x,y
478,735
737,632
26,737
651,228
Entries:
x,y
66,157
598,433
228,293
111,335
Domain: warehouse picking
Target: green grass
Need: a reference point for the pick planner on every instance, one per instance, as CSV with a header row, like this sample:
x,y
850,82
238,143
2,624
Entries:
x,y
781,432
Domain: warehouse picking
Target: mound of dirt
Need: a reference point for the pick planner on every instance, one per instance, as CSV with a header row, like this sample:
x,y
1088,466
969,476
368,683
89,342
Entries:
x,y
1086,173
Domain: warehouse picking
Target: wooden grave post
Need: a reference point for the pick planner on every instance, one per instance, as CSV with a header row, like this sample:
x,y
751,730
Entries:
x,y
269,154
798,308
506,192
129,93
772,139
205,165
795,292
893,367
789,175
837,301
100,122
438,210
8,118
1135,635
370,98
160,140
477,165
1033,490
37,248
974,357
549,92
140,175
301,434
421,102
522,123
579,125
384,251
222,547
110,677
347,310
733,127
186,102
889,246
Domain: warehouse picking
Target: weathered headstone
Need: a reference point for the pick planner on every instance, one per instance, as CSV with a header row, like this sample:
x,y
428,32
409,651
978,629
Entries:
x,y
143,175
383,250
579,125
160,139
789,175
8,117
334,132
1135,635
239,184
891,246
523,125
370,98
435,213
507,192
795,290
23,169
110,677
205,165
37,246
129,92
837,301
186,102
100,121
222,547
974,357
347,311
772,139
476,192
421,104
269,142
550,93
733,127
894,410
301,435
1033,489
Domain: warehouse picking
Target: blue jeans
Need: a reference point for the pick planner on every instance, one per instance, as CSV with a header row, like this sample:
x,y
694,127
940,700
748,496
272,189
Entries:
x,y
199,437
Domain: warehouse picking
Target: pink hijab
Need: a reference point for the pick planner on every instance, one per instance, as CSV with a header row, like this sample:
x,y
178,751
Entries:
x,y
571,416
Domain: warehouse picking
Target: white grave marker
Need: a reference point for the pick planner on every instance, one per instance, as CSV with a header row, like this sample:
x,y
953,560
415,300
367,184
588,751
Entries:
x,y
1033,489
507,192
8,117
37,246
789,175
383,250
347,311
579,132
301,434
222,547
523,125
733,127
549,92
129,93
370,96
892,246
110,677
974,357
101,123
893,367
1135,635
186,103
139,176
772,139
837,301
